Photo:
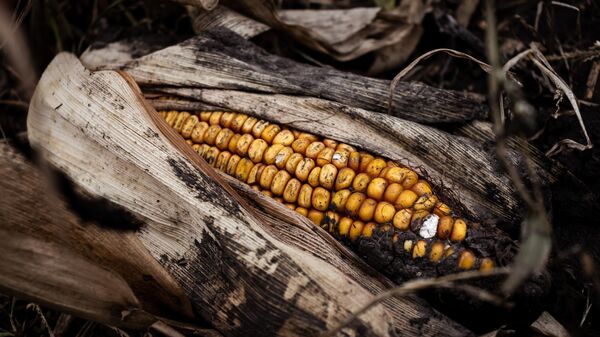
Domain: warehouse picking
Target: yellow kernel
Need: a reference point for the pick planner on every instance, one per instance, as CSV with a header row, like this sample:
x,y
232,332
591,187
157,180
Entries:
x,y
354,201
324,157
410,179
406,199
444,227
271,153
267,193
316,216
345,147
383,172
312,151
283,156
300,145
365,160
211,134
293,162
441,209
367,210
266,178
486,265
344,226
396,174
418,218
305,196
354,160
232,164
285,138
308,136
243,144
420,249
290,206
223,138
313,176
339,199
270,132
211,155
179,121
215,118
466,260
292,189
248,125
360,182
330,143
375,166
459,230
384,212
367,231
408,245
303,169
198,132
376,188
189,142
320,199
302,211
280,180
257,149
331,219
254,174
205,116
356,230
222,160
188,126
392,192
449,251
259,127
238,122
232,146
327,176
402,219
203,149
227,119
344,178
426,202
421,187
437,251
340,158
243,169
170,118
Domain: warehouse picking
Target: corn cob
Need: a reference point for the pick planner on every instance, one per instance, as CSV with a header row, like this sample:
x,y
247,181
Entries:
x,y
352,194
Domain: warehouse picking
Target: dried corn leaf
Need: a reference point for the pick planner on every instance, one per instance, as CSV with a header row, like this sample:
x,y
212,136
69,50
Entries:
x,y
52,275
221,59
32,205
236,273
224,17
344,34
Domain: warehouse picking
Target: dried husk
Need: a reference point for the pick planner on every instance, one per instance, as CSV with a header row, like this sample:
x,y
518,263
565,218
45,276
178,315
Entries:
x,y
221,59
33,205
97,128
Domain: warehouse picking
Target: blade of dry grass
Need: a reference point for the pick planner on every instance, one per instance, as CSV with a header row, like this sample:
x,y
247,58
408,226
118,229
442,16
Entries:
x,y
536,229
420,284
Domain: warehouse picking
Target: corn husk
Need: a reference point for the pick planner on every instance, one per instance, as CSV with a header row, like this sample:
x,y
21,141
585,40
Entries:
x,y
98,129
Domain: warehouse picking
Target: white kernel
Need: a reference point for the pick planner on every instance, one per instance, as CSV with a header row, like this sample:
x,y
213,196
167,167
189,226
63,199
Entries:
x,y
429,227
